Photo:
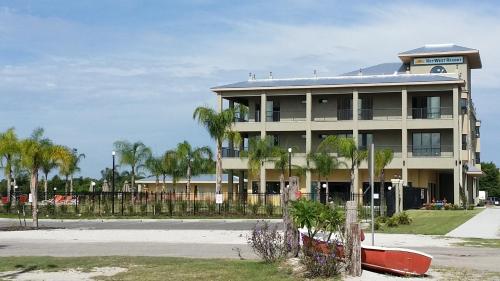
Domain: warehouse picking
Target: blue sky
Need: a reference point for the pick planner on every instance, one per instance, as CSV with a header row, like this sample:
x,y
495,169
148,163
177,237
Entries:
x,y
92,72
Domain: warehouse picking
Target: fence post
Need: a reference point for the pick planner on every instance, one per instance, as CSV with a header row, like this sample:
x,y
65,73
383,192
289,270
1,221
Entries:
x,y
353,239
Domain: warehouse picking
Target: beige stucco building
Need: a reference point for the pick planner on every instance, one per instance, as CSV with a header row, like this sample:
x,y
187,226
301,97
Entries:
x,y
420,107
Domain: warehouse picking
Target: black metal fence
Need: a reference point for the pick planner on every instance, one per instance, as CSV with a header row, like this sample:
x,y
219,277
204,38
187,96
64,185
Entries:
x,y
169,204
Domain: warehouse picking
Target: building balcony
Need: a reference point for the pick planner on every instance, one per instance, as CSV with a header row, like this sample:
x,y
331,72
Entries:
x,y
438,151
285,116
431,113
380,114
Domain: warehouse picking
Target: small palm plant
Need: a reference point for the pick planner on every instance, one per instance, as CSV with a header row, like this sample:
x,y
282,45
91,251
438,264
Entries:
x,y
382,159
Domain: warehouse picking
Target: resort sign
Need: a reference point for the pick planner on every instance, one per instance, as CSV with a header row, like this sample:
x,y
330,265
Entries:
x,y
440,60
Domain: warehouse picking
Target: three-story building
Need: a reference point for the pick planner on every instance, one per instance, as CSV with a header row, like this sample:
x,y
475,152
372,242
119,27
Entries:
x,y
421,108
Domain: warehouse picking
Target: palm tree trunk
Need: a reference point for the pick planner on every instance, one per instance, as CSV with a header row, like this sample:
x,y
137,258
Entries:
x,y
45,186
164,187
132,179
218,168
157,183
382,194
9,184
34,197
71,184
66,185
188,183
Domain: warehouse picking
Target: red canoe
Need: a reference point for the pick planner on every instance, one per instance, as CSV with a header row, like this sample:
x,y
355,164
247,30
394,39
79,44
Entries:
x,y
397,261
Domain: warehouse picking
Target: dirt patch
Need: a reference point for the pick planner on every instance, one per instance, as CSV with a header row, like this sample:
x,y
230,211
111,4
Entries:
x,y
65,275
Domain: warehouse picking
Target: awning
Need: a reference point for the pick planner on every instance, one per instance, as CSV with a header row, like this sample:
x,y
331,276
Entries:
x,y
473,171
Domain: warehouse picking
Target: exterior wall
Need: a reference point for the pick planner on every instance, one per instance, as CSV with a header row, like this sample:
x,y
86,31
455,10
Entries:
x,y
205,187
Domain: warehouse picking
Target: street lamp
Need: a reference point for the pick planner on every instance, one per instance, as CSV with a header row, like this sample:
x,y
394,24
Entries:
x,y
113,153
289,162
93,186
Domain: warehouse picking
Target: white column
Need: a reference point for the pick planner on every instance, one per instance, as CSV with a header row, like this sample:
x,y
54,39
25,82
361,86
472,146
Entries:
x,y
263,100
355,132
457,142
404,135
219,102
308,137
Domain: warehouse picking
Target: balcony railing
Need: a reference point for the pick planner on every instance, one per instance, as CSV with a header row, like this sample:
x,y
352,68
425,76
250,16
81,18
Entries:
x,y
396,149
281,116
239,117
431,113
231,152
379,114
430,151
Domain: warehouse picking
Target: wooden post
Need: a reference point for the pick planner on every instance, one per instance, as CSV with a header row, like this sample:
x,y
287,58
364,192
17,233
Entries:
x,y
353,239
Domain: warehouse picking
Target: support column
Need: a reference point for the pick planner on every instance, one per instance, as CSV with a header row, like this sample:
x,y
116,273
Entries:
x,y
219,102
457,139
404,135
355,132
308,137
263,100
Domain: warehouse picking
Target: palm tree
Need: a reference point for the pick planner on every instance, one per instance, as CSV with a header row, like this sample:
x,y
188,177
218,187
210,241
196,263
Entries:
x,y
218,126
155,167
33,150
172,167
195,161
70,167
346,147
9,149
325,163
383,158
47,165
133,155
259,152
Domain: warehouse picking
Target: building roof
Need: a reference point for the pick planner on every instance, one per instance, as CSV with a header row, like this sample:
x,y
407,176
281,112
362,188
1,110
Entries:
x,y
443,50
339,81
379,69
204,178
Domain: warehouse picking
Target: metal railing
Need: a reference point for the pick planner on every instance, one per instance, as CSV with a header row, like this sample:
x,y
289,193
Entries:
x,y
231,152
283,116
143,204
430,151
396,149
380,114
431,113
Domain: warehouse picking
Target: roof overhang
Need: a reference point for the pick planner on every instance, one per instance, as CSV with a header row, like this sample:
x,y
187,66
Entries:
x,y
473,57
326,86
473,171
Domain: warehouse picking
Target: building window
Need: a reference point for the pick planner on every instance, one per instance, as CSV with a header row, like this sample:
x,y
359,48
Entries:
x,y
255,187
478,157
426,107
463,105
464,141
257,112
344,108
477,131
273,187
272,111
365,108
426,144
365,140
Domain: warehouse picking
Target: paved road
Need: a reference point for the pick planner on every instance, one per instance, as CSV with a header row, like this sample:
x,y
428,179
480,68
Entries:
x,y
484,225
158,224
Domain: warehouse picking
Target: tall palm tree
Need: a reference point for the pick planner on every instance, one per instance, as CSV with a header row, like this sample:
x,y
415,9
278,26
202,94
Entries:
x,y
195,161
155,167
132,154
346,147
383,158
218,126
70,167
172,166
9,149
33,150
47,165
325,163
259,152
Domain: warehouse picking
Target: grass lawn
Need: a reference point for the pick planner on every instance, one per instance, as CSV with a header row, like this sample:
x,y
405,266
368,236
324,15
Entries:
x,y
432,222
155,268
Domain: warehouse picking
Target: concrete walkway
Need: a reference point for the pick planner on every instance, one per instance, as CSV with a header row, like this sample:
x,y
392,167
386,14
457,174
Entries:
x,y
484,225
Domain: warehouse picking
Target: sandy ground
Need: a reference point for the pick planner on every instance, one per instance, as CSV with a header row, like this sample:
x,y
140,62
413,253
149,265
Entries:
x,y
484,225
65,275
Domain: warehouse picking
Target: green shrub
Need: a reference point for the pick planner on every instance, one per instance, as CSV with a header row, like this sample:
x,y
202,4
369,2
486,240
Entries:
x,y
254,208
403,218
50,209
130,209
392,221
470,207
269,209
106,209
158,207
377,225
382,219
183,205
63,209
211,206
240,208
144,209
7,206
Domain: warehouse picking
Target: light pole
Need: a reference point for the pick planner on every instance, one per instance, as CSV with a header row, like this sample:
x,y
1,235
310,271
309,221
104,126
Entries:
x,y
93,186
289,162
113,185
